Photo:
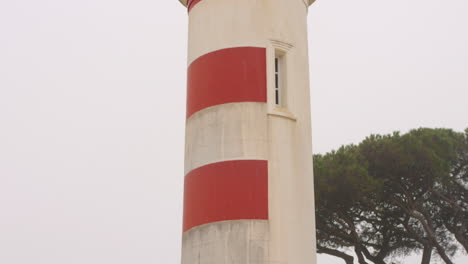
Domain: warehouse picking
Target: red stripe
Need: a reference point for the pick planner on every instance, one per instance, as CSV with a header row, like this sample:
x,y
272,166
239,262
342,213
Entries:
x,y
227,76
191,4
229,190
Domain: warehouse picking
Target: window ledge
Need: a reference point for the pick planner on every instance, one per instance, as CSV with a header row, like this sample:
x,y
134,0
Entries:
x,y
283,113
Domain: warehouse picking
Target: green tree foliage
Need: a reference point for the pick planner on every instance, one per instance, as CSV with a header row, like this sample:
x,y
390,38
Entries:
x,y
394,195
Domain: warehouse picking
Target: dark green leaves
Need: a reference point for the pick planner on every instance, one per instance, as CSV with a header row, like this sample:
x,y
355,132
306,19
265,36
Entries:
x,y
394,194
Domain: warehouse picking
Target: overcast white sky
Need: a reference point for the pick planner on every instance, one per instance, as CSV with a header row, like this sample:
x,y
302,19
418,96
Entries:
x,y
92,103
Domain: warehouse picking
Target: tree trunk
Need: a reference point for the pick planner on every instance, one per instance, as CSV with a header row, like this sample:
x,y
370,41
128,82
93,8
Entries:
x,y
426,223
458,233
462,240
442,254
458,210
361,258
348,259
379,259
427,254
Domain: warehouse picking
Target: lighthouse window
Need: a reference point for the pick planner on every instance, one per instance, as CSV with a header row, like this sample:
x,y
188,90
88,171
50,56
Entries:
x,y
277,81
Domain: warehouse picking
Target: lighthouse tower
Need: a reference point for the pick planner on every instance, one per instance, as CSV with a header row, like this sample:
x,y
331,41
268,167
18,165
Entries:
x,y
248,195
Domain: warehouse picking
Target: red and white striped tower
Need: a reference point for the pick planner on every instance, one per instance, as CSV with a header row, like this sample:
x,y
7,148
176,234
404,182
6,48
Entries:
x,y
249,195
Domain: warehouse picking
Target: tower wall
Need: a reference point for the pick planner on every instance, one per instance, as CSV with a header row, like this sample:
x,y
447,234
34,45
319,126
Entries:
x,y
248,161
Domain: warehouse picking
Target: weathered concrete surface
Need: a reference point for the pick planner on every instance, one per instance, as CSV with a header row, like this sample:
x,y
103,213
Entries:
x,y
229,242
226,132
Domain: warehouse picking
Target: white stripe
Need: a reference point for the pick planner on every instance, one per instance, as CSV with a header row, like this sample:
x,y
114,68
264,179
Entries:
x,y
227,242
220,24
234,131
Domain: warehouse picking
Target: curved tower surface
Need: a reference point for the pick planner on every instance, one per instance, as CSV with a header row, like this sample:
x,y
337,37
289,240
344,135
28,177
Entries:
x,y
249,196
